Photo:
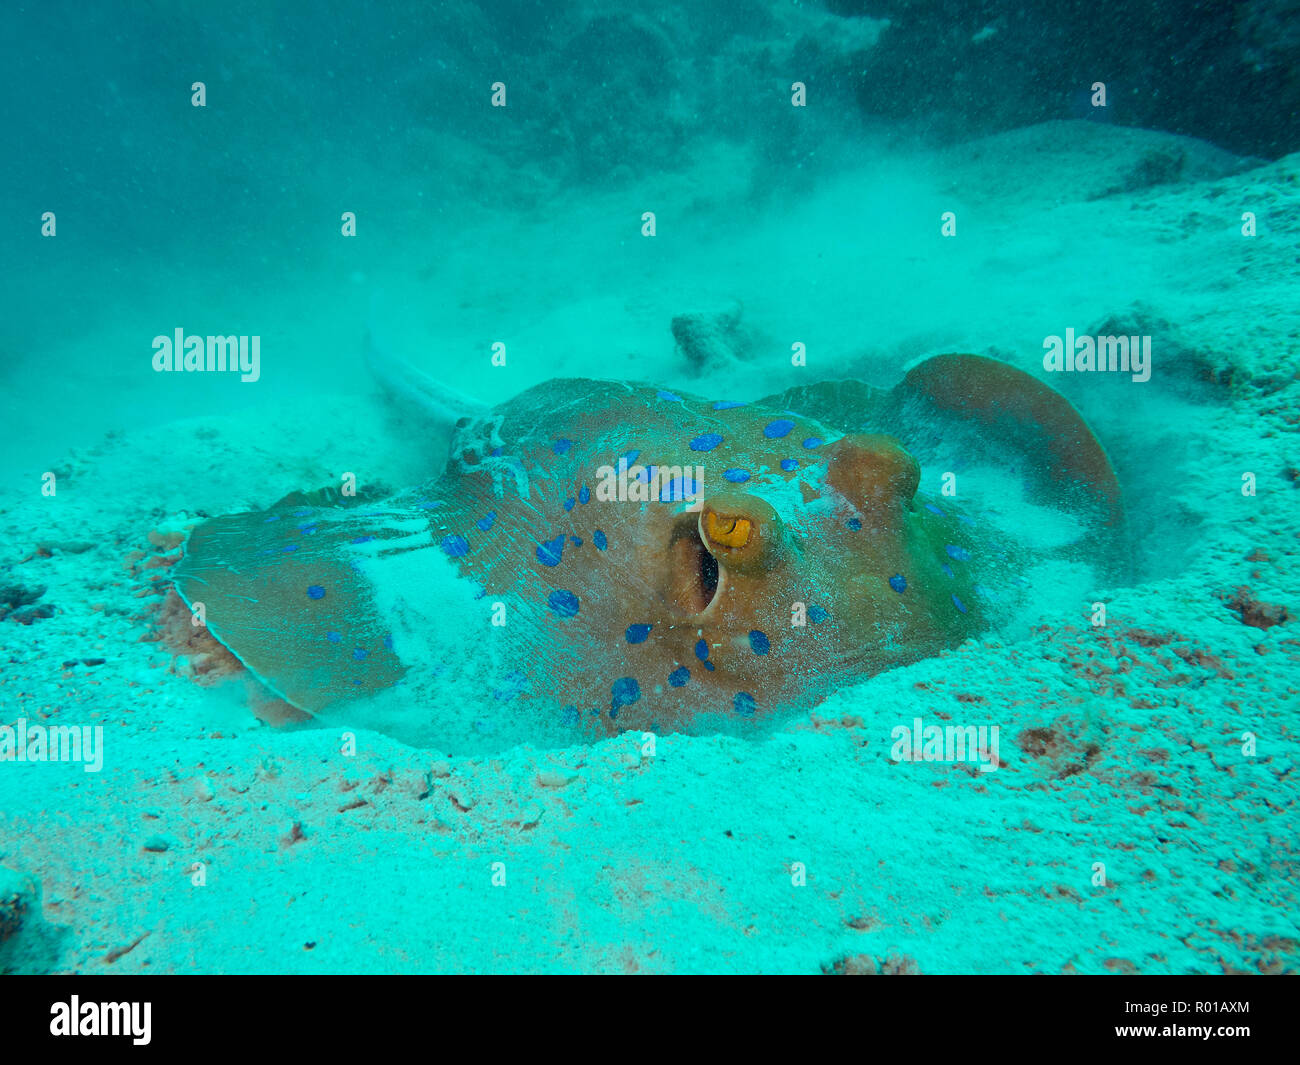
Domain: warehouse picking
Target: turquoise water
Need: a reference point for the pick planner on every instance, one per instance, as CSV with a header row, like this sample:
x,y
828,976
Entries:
x,y
514,487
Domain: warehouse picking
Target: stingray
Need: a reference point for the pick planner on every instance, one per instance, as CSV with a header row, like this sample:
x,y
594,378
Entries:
x,y
601,555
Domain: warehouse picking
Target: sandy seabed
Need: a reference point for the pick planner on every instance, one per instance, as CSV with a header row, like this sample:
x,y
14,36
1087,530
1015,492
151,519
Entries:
x,y
211,842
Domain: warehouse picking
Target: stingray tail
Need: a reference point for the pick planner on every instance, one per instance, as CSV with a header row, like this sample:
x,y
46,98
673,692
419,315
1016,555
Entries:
x,y
440,405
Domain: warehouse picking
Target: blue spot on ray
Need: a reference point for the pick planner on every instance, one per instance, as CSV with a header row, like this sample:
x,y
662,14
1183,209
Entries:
x,y
744,704
598,538
958,553
706,441
777,429
625,692
789,464
683,487
584,494
514,682
817,614
562,446
315,591
898,582
487,521
638,633
550,552
702,650
958,604
854,523
726,404
563,602
759,642
455,546
736,476
813,442
679,676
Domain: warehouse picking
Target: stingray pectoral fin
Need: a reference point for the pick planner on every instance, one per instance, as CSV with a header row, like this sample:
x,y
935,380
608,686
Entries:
x,y
285,598
1024,414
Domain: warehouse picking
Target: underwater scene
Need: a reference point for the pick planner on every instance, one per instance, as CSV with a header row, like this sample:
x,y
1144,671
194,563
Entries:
x,y
711,486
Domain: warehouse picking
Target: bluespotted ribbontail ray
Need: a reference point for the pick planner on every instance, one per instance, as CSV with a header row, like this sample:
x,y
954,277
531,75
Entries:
x,y
601,556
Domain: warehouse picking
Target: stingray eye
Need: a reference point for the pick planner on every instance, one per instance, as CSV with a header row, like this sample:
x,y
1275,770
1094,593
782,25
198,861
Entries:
x,y
874,473
727,530
741,531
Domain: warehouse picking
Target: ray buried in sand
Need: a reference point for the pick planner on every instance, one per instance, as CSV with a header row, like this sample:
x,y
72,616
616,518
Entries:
x,y
650,618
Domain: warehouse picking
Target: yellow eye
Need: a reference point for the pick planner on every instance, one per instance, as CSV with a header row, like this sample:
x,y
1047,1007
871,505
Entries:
x,y
729,531
741,531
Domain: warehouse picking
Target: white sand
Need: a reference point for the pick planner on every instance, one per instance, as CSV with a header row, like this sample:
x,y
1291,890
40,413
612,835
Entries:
x,y
615,859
